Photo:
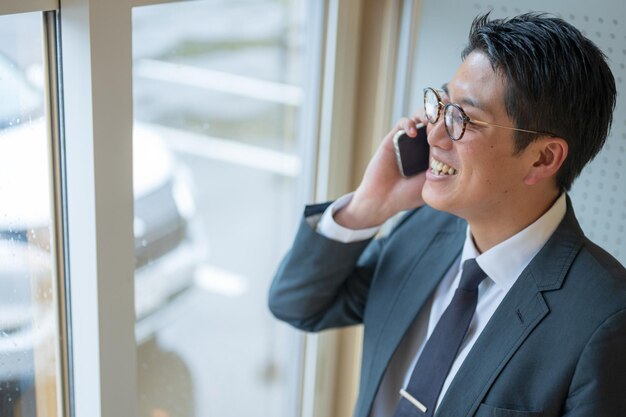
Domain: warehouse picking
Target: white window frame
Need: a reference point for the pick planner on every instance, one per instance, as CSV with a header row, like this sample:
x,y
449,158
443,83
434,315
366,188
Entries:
x,y
97,95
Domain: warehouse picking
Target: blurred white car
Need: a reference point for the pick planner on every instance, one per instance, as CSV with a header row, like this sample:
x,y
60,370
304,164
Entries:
x,y
167,249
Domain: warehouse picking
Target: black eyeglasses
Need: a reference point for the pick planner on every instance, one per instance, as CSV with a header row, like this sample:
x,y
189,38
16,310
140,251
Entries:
x,y
455,119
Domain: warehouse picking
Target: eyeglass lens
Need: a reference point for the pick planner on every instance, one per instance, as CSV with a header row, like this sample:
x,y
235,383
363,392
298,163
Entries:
x,y
453,116
454,122
431,105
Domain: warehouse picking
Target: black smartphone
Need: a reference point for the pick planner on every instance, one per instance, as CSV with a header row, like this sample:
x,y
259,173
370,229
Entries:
x,y
412,154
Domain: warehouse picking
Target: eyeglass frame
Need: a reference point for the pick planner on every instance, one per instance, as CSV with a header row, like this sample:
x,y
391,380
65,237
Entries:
x,y
441,108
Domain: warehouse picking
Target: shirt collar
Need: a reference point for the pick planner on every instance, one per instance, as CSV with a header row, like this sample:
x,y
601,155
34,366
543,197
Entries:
x,y
505,262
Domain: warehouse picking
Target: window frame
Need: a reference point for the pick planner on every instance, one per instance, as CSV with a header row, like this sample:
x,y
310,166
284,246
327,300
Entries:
x,y
93,202
97,115
8,7
58,231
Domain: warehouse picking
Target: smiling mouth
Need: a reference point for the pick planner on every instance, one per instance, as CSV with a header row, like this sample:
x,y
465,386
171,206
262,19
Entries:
x,y
439,168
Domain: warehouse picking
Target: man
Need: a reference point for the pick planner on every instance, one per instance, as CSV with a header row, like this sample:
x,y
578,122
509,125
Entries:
x,y
487,299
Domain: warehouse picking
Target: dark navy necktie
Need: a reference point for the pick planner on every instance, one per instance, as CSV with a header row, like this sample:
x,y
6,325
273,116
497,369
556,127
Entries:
x,y
420,396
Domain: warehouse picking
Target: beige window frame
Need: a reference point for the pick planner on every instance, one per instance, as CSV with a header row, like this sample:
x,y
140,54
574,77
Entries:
x,y
371,45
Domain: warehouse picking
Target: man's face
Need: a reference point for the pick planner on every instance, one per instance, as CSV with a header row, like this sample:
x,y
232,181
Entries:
x,y
489,178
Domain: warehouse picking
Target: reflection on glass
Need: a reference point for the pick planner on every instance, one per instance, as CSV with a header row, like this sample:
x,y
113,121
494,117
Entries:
x,y
217,99
27,301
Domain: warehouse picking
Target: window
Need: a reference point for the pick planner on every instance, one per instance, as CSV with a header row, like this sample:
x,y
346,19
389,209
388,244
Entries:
x,y
270,74
28,292
219,180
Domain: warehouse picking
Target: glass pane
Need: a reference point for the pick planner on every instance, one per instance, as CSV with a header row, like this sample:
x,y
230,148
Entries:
x,y
218,97
28,338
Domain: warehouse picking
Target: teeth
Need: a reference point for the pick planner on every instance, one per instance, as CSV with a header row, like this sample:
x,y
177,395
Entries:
x,y
439,168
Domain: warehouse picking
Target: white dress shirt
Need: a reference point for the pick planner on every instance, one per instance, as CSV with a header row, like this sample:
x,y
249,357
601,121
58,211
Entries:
x,y
503,264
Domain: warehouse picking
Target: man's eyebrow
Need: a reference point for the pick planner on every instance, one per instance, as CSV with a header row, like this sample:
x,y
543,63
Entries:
x,y
465,101
468,101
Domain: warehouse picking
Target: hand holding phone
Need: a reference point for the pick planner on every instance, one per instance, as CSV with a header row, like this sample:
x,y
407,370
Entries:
x,y
383,193
412,154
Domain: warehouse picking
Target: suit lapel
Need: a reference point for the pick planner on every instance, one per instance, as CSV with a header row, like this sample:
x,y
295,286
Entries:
x,y
520,312
413,292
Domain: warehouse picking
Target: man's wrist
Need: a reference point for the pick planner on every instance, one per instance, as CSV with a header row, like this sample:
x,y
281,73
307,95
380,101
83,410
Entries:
x,y
328,227
356,216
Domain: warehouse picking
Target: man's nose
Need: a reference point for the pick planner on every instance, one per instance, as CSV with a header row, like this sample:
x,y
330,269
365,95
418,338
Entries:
x,y
437,135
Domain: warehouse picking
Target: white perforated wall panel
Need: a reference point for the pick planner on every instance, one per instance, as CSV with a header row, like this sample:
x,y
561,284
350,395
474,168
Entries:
x,y
599,194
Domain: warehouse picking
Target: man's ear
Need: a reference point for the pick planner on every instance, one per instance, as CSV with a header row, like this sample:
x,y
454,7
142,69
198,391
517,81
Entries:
x,y
548,153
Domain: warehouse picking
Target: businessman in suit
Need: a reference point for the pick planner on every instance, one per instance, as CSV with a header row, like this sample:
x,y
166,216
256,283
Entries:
x,y
486,299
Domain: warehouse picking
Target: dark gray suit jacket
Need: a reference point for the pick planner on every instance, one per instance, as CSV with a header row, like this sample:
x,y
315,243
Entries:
x,y
556,346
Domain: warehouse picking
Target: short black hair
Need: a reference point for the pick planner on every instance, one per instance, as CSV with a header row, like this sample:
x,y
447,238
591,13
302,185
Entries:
x,y
556,79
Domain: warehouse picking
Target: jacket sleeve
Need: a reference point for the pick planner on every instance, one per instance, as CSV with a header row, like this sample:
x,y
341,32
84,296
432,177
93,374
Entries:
x,y
598,384
322,283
